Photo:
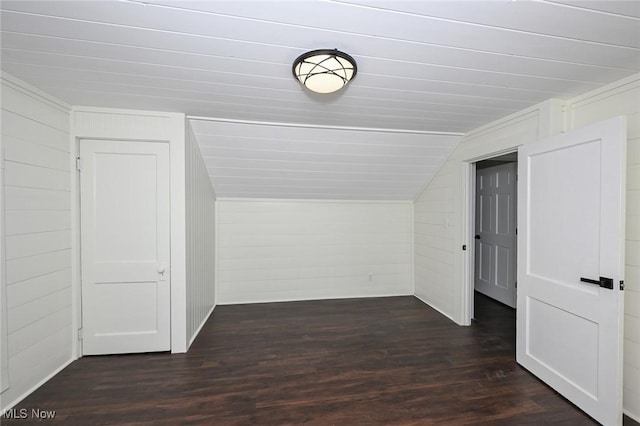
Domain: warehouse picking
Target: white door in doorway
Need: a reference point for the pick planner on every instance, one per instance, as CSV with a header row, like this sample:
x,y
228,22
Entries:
x,y
571,229
495,243
125,246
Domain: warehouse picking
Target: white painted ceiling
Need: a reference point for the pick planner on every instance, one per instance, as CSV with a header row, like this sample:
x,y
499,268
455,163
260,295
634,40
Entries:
x,y
267,161
427,66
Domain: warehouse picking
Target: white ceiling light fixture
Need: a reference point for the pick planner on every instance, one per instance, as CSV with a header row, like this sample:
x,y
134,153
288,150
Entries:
x,y
324,70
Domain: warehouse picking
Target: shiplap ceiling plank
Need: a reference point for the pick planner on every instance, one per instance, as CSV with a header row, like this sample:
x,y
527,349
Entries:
x,y
257,20
471,67
313,147
618,7
272,161
64,30
427,70
310,166
258,50
537,17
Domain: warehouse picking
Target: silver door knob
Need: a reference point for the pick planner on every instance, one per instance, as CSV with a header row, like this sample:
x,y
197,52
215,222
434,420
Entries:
x,y
161,269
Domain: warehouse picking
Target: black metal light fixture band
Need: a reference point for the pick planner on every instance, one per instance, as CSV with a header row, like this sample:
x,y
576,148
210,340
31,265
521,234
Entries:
x,y
329,52
343,72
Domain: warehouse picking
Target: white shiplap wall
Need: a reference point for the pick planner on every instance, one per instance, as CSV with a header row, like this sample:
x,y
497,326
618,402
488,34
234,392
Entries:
x,y
279,250
200,236
35,137
623,99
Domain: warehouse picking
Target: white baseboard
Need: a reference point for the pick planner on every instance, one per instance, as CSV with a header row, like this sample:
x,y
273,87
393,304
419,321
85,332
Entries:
x,y
306,299
34,388
204,321
631,416
436,308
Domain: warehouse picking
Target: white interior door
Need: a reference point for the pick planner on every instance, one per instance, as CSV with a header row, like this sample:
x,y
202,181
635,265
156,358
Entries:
x,y
495,243
125,246
571,226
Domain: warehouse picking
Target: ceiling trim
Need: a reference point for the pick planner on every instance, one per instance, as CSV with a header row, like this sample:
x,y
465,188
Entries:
x,y
311,200
30,90
317,126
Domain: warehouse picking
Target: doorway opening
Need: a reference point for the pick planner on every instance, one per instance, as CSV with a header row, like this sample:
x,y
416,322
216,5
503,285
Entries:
x,y
494,230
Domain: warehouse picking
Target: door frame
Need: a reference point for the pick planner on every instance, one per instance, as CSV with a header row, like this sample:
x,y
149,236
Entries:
x,y
143,126
78,199
4,333
468,227
499,137
76,293
475,232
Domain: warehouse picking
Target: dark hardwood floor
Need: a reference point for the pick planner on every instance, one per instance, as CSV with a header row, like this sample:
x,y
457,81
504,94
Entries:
x,y
336,362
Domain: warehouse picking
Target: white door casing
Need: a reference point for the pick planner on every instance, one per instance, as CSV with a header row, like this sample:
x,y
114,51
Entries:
x,y
4,340
571,226
124,187
495,243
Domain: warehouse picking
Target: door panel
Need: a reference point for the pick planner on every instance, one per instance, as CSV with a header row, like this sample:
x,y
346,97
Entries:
x,y
485,272
495,255
125,245
503,274
576,363
571,222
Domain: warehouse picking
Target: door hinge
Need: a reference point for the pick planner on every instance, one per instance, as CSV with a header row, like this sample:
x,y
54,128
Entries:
x,y
621,285
516,284
78,163
80,335
464,247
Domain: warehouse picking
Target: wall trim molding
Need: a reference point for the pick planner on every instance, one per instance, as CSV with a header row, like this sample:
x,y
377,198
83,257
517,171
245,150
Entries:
x,y
316,126
509,120
437,309
631,415
606,91
287,300
197,332
310,200
36,386
33,92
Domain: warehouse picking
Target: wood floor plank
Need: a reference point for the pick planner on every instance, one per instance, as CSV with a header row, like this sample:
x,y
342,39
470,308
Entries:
x,y
333,362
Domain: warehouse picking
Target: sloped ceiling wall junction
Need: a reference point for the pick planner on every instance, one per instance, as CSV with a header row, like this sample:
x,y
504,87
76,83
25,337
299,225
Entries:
x,y
276,161
440,68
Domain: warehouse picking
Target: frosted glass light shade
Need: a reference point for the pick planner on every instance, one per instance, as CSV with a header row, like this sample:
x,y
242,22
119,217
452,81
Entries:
x,y
324,70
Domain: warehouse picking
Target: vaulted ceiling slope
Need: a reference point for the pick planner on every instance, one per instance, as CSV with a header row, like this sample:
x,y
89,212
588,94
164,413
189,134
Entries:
x,y
439,67
276,161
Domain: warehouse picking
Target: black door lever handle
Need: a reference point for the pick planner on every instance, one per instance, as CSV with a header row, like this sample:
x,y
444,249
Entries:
x,y
477,237
602,282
